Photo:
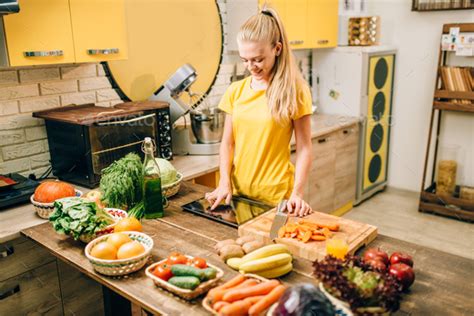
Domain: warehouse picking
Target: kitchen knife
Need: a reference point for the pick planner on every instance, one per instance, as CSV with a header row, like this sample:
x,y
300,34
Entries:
x,y
280,219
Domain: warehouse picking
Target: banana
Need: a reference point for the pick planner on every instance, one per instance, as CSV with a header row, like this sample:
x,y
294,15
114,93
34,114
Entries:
x,y
265,263
276,272
234,263
265,251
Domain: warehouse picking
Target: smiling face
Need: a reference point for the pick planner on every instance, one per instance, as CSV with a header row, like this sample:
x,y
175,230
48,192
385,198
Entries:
x,y
259,58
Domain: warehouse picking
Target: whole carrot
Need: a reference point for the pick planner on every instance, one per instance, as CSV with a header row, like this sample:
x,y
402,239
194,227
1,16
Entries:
x,y
219,294
238,308
259,289
254,299
231,283
267,301
219,305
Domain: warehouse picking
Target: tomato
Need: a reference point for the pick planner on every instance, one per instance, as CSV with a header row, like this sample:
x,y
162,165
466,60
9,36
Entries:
x,y
199,263
177,258
163,271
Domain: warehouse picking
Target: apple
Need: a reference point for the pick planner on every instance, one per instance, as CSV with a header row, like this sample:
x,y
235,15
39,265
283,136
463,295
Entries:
x,y
398,257
403,273
377,264
376,254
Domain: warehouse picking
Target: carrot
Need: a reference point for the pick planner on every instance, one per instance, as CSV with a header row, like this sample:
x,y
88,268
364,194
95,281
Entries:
x,y
326,232
238,279
219,294
236,308
219,305
307,236
267,300
259,289
254,299
318,237
281,232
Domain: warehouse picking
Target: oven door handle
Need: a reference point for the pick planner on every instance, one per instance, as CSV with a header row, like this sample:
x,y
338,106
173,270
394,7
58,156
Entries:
x,y
139,118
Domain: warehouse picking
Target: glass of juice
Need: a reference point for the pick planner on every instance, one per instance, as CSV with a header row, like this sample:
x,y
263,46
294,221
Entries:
x,y
337,246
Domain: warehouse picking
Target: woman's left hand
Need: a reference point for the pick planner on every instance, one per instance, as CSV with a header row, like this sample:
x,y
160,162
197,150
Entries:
x,y
297,206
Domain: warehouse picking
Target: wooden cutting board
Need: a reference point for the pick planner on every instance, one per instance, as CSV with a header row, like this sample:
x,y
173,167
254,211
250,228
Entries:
x,y
358,234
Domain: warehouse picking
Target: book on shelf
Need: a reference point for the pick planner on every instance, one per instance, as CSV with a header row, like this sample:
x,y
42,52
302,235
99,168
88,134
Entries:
x,y
457,79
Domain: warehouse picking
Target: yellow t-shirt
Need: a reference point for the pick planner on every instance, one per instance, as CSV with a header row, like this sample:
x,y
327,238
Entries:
x,y
261,167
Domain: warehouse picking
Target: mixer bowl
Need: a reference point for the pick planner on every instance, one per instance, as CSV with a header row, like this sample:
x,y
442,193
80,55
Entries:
x,y
208,125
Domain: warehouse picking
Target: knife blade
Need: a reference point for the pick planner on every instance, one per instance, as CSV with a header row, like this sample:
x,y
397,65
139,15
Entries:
x,y
280,219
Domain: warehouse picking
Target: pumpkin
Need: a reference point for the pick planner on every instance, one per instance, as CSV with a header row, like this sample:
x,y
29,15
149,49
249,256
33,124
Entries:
x,y
50,191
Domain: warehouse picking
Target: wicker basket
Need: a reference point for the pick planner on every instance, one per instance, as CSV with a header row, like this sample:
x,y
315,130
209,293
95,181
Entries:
x,y
172,188
184,293
45,209
340,307
117,215
121,266
207,306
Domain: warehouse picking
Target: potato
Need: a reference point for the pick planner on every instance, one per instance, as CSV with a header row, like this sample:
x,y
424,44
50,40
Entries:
x,y
222,243
231,251
244,239
251,246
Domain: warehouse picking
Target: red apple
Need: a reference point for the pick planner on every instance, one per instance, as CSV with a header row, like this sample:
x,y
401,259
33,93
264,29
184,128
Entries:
x,y
376,254
404,274
377,264
398,257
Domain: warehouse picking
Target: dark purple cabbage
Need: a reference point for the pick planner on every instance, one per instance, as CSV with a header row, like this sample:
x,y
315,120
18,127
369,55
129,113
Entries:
x,y
304,300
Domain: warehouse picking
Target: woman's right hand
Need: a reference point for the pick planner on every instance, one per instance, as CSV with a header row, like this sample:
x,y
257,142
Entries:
x,y
222,192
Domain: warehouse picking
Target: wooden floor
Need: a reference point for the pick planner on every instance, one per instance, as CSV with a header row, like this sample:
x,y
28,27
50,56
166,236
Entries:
x,y
395,213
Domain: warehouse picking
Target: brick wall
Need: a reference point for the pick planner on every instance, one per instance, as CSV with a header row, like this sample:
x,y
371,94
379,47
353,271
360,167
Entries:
x,y
23,90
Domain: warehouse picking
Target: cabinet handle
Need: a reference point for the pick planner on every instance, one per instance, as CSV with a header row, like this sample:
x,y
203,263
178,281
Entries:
x,y
105,51
323,140
322,42
296,42
10,292
44,53
7,251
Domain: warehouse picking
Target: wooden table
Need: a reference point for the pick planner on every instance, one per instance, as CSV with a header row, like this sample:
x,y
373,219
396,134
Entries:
x,y
444,283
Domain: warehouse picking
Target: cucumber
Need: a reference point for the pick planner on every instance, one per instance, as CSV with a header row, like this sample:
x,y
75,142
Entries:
x,y
184,270
185,282
209,273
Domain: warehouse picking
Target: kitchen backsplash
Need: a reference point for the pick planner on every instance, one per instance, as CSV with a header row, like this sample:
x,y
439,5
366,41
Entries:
x,y
23,90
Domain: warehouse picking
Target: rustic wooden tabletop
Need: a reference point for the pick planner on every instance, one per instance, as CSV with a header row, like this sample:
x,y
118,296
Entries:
x,y
444,283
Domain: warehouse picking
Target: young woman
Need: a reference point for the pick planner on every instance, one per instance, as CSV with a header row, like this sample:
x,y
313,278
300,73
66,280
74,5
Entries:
x,y
263,110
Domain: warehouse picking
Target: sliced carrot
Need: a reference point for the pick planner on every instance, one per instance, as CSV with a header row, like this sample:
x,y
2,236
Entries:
x,y
307,236
318,237
281,232
326,232
318,232
267,301
217,295
238,308
291,229
259,289
218,305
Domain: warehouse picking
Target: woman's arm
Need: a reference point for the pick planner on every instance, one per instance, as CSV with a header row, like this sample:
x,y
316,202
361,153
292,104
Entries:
x,y
296,203
226,156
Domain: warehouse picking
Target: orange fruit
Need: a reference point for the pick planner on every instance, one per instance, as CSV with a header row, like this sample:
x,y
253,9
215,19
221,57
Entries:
x,y
128,224
104,250
118,239
130,249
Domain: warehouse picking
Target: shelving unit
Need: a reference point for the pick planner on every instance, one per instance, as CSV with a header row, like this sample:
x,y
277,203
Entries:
x,y
444,100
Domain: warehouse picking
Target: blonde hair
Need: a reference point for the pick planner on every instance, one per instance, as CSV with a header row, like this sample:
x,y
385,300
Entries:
x,y
266,26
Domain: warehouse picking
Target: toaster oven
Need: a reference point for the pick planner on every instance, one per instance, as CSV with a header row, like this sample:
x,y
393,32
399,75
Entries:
x,y
85,139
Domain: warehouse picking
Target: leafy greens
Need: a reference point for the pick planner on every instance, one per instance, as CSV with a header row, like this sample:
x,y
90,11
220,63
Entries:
x,y
77,216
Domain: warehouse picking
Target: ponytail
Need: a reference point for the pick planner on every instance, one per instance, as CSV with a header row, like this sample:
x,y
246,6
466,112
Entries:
x,y
285,77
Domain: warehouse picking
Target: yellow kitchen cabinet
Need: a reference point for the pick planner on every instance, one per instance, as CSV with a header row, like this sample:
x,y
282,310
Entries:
x,y
309,23
99,30
66,31
40,34
322,23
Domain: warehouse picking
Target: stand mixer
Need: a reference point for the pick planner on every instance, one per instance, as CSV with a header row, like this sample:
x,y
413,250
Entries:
x,y
203,138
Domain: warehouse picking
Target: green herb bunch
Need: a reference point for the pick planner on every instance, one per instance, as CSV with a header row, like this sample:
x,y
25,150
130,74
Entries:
x,y
122,182
77,216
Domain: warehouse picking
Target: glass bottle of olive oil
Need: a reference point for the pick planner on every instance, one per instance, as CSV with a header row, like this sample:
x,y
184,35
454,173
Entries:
x,y
153,199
